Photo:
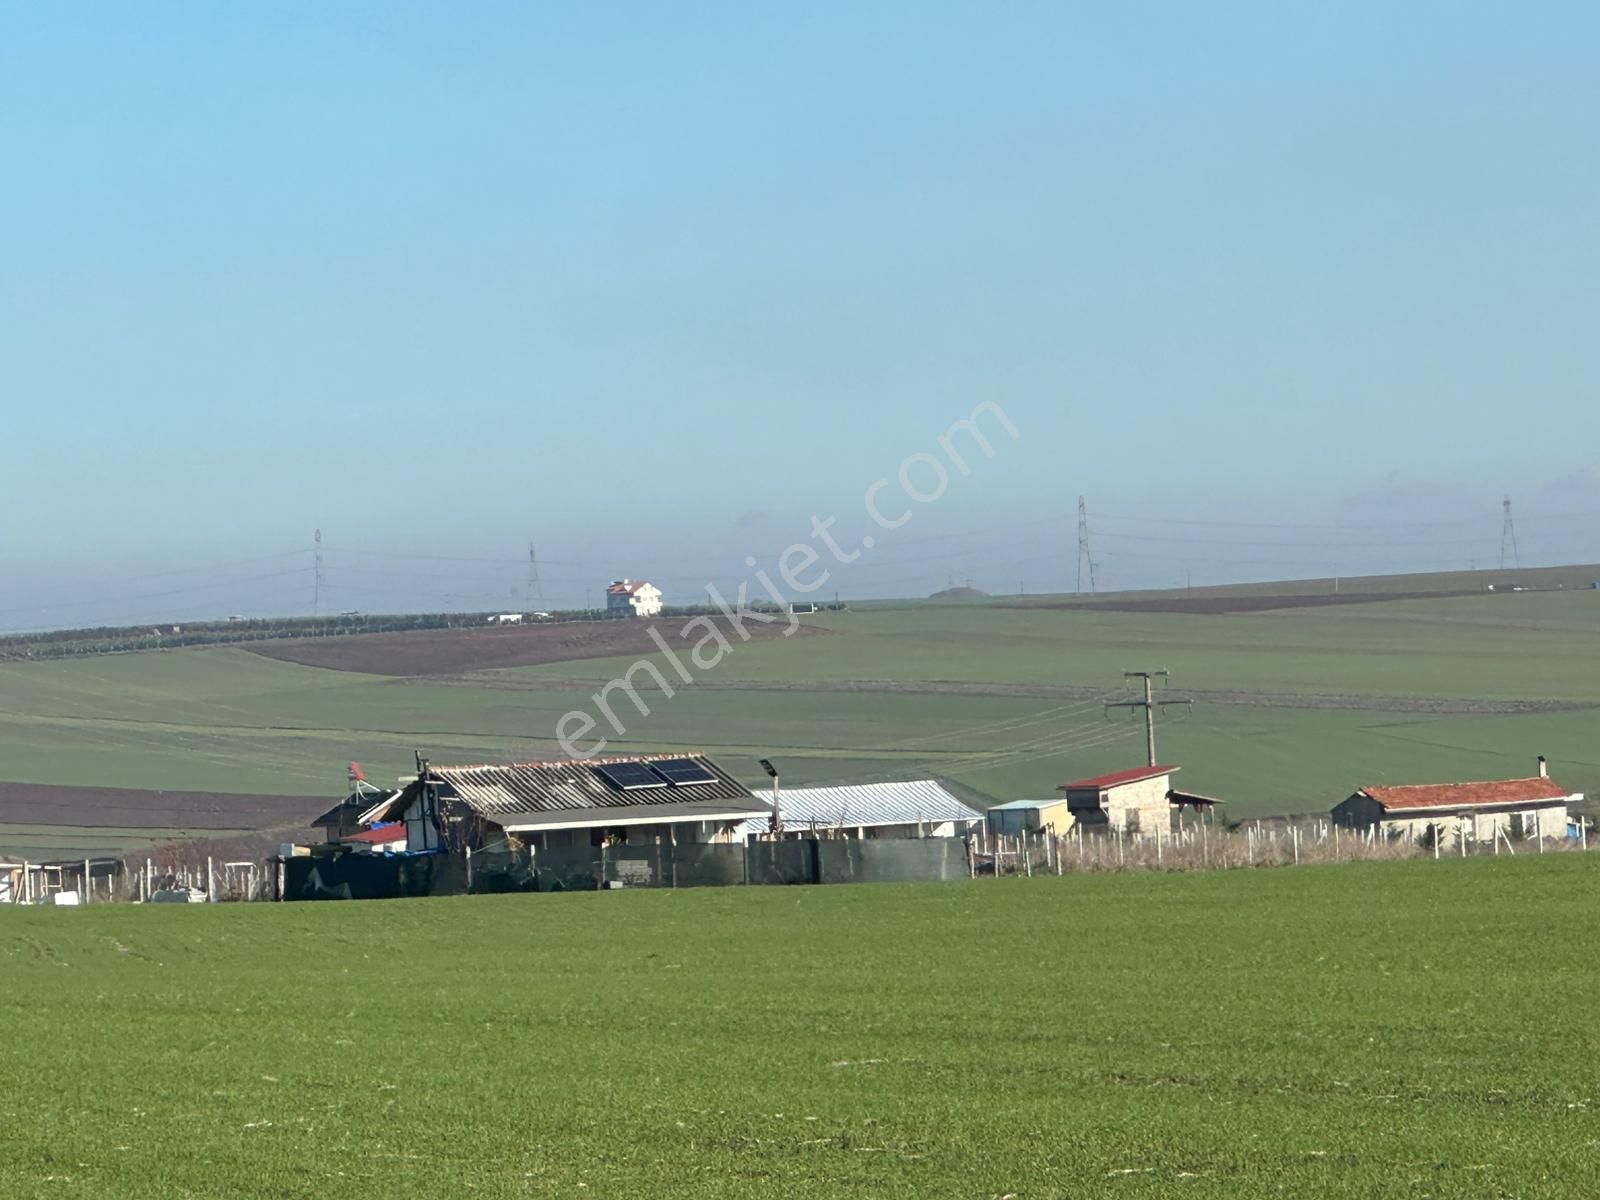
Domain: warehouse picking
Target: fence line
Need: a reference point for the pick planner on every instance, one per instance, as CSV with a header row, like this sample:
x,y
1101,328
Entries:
x,y
1203,847
187,873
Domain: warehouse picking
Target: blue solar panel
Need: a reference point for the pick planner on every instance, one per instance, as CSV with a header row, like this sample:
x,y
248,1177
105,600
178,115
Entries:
x,y
682,772
628,776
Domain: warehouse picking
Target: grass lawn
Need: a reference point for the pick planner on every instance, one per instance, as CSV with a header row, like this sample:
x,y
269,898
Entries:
x,y
1412,1028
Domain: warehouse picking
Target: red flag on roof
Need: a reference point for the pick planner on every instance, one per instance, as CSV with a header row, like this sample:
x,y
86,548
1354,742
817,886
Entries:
x,y
356,775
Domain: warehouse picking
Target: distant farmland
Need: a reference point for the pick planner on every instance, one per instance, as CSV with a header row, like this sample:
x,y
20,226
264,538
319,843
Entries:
x,y
1294,707
45,822
1420,585
1411,1028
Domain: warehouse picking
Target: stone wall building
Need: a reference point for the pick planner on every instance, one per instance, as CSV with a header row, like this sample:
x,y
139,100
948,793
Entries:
x,y
1133,801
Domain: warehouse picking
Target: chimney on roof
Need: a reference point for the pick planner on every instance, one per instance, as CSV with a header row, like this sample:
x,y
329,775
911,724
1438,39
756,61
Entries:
x,y
1544,768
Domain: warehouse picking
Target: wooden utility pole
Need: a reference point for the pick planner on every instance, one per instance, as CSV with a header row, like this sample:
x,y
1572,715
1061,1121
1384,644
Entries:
x,y
1149,704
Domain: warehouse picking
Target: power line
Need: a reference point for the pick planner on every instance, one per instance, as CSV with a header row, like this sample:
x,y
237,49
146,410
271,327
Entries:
x,y
1011,725
316,587
183,591
1149,704
1478,520
1312,544
1050,746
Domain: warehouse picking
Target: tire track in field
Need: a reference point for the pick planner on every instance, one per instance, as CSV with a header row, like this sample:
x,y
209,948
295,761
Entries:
x,y
1229,697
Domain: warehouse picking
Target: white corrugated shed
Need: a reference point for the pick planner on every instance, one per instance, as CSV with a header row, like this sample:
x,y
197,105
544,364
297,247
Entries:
x,y
865,805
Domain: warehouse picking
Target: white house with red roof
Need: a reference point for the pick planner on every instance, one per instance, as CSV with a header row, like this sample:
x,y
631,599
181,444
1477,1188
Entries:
x,y
1534,807
1134,801
634,597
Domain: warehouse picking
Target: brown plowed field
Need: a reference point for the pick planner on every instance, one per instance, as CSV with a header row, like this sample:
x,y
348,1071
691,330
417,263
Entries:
x,y
127,808
453,651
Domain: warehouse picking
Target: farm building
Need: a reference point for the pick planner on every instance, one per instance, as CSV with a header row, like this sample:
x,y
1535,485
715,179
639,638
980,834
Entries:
x,y
1192,802
915,808
352,814
1030,816
668,798
1454,813
1133,801
634,598
380,839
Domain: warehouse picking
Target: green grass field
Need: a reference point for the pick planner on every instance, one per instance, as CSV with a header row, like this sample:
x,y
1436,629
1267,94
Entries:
x,y
989,696
1411,1028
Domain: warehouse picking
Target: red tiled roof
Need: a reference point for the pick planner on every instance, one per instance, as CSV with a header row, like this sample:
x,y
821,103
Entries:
x,y
1468,795
1116,779
379,835
626,587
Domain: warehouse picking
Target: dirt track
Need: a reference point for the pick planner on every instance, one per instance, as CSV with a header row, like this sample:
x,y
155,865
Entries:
x,y
1324,701
128,808
1223,605
431,652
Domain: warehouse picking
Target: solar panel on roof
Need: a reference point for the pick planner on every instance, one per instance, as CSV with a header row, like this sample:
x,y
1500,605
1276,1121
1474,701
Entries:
x,y
682,771
628,776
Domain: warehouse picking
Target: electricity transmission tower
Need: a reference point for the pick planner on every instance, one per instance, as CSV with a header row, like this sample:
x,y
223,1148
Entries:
x,y
1084,557
1508,537
316,585
1149,703
535,594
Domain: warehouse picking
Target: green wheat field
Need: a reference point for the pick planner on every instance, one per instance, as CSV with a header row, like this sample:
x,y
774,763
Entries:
x,y
1420,1028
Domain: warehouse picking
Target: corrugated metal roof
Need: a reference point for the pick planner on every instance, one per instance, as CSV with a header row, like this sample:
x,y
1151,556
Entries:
x,y
1030,804
918,800
522,790
1468,795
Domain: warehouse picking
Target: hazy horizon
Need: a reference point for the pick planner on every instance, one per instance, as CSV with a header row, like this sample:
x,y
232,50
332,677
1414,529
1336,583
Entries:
x,y
1281,293
1036,557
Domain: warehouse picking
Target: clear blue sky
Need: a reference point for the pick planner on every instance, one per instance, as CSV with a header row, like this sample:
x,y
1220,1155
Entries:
x,y
652,285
